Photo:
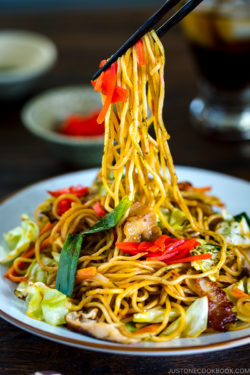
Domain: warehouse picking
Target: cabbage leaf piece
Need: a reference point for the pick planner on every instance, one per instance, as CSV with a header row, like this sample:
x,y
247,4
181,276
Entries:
x,y
154,316
206,264
176,218
235,230
240,285
46,304
101,191
18,239
196,320
35,273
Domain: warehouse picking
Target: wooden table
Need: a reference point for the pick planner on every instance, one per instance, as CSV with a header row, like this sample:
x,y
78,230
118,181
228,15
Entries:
x,y
84,38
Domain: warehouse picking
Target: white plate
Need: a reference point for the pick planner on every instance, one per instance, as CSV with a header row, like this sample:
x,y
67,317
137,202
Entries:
x,y
234,192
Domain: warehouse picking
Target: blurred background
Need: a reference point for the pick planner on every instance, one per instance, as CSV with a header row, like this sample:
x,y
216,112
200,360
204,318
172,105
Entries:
x,y
24,5
75,36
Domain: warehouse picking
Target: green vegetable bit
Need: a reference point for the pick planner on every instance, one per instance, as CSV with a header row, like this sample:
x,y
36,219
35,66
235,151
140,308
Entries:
x,y
66,272
65,279
130,326
241,215
112,219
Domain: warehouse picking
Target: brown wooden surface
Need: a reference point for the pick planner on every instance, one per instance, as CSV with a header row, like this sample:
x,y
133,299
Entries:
x,y
84,38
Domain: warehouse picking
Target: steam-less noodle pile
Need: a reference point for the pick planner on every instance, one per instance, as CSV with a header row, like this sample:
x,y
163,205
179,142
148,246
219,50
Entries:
x,y
139,255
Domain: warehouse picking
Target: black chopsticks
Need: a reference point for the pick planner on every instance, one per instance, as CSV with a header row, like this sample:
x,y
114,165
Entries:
x,y
177,17
149,24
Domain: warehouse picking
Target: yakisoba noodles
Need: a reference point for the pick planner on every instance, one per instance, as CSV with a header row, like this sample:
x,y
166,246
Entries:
x,y
168,259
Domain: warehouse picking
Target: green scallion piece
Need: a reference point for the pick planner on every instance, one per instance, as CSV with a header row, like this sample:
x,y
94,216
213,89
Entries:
x,y
112,219
66,273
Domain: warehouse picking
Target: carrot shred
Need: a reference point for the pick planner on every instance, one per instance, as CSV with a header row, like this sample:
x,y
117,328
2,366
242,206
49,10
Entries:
x,y
148,329
140,52
202,189
45,243
85,273
221,204
46,228
236,292
9,272
17,279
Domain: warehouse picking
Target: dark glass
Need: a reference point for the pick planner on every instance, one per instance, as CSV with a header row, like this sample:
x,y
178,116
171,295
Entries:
x,y
219,36
227,68
220,40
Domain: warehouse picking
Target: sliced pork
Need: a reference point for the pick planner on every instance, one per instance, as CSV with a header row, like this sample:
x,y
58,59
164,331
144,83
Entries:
x,y
141,224
220,314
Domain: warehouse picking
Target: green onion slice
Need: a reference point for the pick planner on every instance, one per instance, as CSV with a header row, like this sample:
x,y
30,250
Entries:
x,y
65,279
112,219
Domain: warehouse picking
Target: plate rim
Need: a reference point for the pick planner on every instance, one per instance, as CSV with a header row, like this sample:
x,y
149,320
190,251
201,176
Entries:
x,y
114,347
125,349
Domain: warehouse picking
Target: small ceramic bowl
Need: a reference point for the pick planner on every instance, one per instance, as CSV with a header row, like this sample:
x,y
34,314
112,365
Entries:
x,y
42,115
24,57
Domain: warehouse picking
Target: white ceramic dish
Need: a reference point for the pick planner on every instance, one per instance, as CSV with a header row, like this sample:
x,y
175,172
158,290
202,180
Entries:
x,y
234,192
42,114
24,57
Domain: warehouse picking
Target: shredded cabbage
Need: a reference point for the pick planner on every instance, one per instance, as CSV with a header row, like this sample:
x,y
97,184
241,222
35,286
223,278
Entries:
x,y
18,239
46,304
21,289
176,218
206,264
35,273
243,285
239,285
171,328
233,231
97,188
56,256
196,319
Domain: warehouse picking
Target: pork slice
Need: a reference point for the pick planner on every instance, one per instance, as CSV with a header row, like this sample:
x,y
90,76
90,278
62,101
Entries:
x,y
220,313
142,227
